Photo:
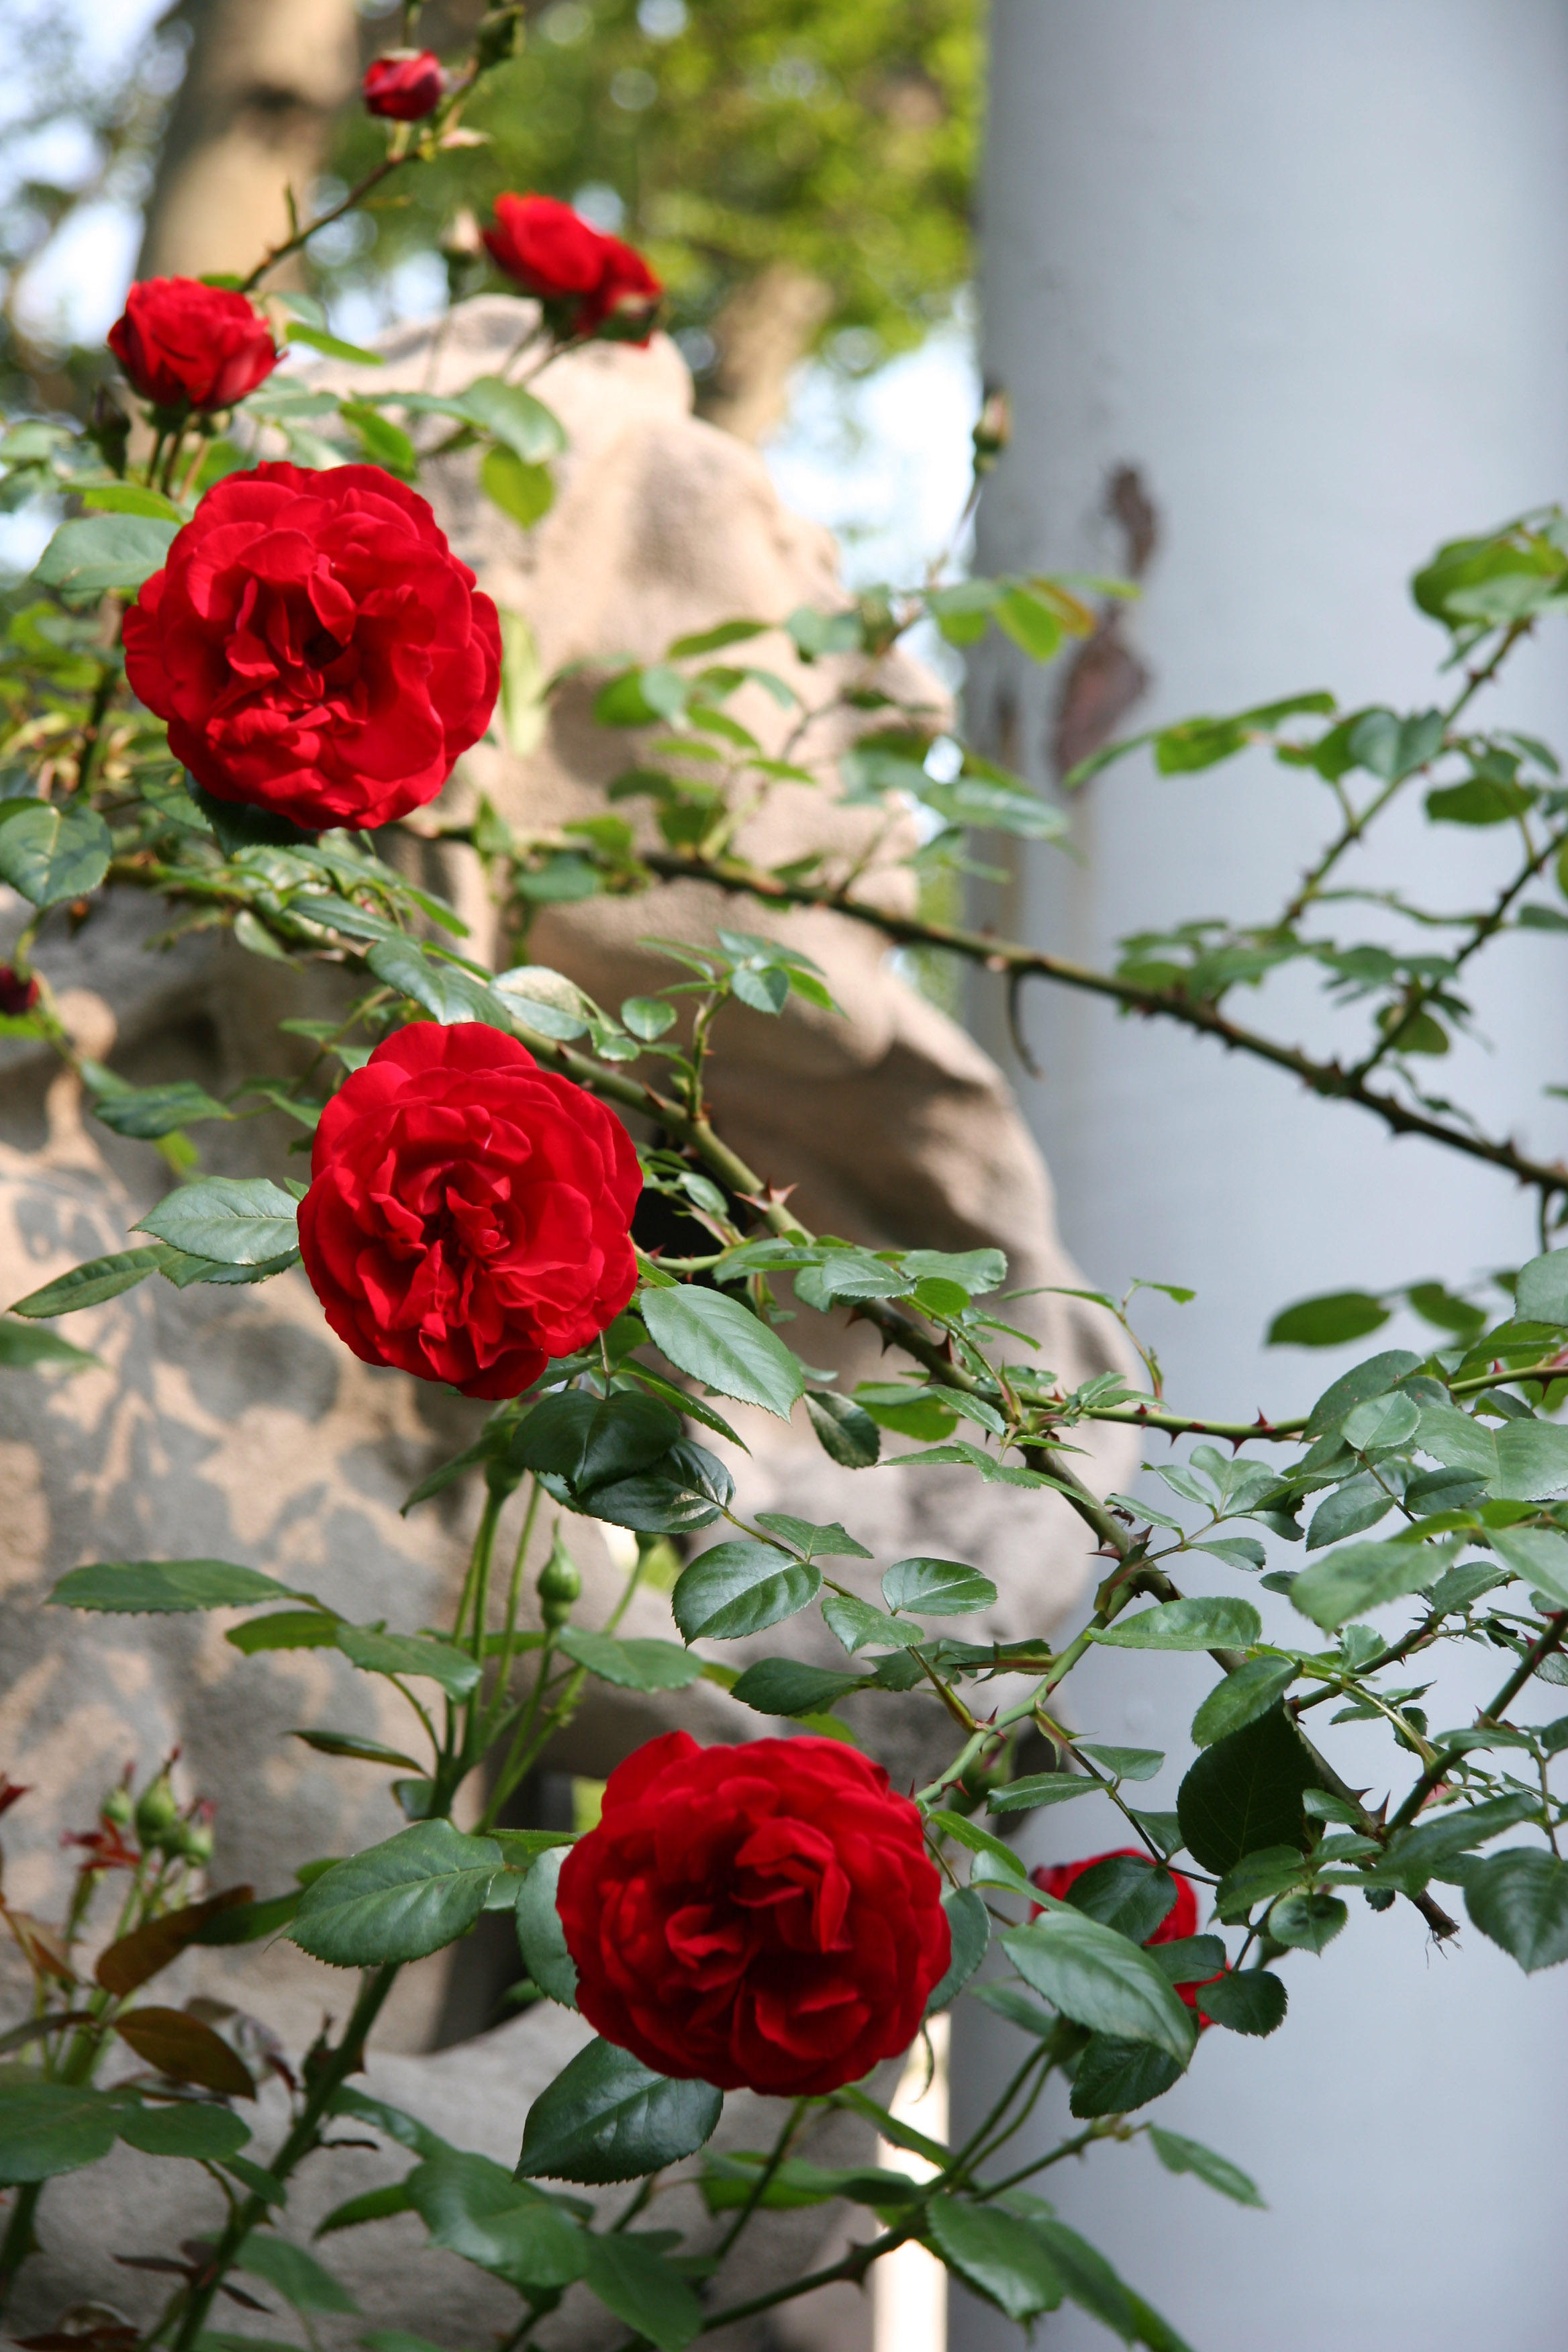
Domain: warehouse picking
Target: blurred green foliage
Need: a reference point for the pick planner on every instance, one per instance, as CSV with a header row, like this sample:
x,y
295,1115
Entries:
x,y
723,138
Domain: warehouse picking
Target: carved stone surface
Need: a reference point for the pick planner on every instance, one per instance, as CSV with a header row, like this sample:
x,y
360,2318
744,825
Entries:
x,y
231,1424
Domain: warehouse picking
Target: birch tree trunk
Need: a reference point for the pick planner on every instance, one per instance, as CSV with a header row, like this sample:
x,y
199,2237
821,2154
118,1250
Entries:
x,y
1302,269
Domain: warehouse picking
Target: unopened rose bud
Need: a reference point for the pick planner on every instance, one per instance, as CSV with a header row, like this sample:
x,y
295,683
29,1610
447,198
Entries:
x,y
406,85
117,1809
559,1584
157,1812
18,992
993,431
192,1840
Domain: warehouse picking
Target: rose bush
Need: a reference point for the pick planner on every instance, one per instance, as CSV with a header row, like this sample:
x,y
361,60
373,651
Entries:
x,y
587,280
315,647
403,86
469,1214
763,1916
184,344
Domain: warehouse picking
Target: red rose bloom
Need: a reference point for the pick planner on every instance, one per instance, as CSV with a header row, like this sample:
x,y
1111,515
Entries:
x,y
17,995
1179,1922
468,1212
763,1916
406,86
586,280
315,646
182,343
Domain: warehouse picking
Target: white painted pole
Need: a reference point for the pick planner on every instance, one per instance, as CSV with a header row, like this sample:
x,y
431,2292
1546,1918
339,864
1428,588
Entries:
x,y
1305,268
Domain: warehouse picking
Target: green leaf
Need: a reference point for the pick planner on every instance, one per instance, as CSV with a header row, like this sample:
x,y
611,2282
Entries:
x,y
511,416
104,552
1257,1877
1178,2154
397,1901
1197,1624
969,1927
1094,2286
1526,1460
524,492
204,2132
1247,2000
1246,1792
376,1652
1413,1856
857,1624
474,2207
1541,1293
91,1285
146,1113
1127,1891
1113,2077
1241,1697
1307,1922
789,1686
132,498
373,2205
137,1587
607,2117
1101,1980
1362,1576
248,1923
236,1219
524,709
541,1937
49,854
21,1347
717,1340
1040,1789
1519,1898
334,346
830,1542
1125,1763
286,1629
51,2127
384,443
1000,2256
936,1588
846,1432
631,2279
634,1665
297,2276
1327,1321
739,1588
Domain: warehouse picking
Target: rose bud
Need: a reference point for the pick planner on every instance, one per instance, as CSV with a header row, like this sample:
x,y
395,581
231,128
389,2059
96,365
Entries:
x,y
18,992
763,1916
158,1812
469,1214
184,344
315,647
559,1585
589,283
404,85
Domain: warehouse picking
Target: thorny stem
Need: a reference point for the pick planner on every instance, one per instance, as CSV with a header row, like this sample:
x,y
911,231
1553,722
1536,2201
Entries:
x,y
194,2303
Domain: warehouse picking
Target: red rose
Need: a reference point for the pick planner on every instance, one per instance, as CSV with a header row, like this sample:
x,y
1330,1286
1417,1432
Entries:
x,y
315,646
1179,1922
182,342
763,1916
17,995
468,1212
406,86
588,281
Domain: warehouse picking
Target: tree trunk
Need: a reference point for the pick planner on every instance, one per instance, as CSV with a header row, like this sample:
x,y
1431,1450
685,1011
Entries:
x,y
1302,268
763,331
253,116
